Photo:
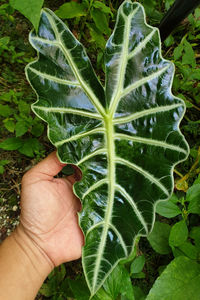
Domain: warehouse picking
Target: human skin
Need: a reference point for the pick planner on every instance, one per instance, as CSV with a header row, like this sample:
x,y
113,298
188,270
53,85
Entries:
x,y
48,234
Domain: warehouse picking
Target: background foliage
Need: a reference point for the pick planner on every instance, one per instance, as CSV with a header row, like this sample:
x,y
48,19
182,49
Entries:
x,y
173,247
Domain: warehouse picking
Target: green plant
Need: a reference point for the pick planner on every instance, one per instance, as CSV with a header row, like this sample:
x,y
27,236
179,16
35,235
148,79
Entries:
x,y
111,135
92,23
16,118
183,240
30,9
2,164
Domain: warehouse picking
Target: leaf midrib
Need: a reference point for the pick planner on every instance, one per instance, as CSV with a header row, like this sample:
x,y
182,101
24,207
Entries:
x,y
110,146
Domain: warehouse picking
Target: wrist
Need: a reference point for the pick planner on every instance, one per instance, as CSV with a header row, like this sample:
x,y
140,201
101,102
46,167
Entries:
x,y
32,253
24,267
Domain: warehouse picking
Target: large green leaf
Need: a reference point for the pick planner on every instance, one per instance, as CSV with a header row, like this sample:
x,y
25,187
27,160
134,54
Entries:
x,y
179,281
124,138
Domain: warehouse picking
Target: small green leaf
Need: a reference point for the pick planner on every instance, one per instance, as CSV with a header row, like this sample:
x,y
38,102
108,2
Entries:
x,y
24,107
97,36
186,249
13,143
21,128
30,9
46,290
158,238
178,234
193,192
1,169
168,3
194,206
61,273
179,281
168,209
100,20
178,52
174,199
37,129
7,97
9,124
102,7
5,110
193,197
79,288
188,104
4,162
71,10
169,41
138,264
4,41
119,283
195,75
29,147
189,55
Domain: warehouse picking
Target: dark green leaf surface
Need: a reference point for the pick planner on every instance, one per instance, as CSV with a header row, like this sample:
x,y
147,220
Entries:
x,y
186,249
168,209
178,234
119,283
193,197
179,281
125,137
11,144
159,238
138,264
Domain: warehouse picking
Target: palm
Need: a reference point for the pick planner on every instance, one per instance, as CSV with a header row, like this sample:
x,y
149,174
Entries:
x,y
49,215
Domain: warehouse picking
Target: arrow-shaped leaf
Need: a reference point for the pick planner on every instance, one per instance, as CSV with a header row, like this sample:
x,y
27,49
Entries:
x,y
125,139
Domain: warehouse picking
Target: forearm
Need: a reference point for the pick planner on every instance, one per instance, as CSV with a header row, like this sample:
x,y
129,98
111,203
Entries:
x,y
23,267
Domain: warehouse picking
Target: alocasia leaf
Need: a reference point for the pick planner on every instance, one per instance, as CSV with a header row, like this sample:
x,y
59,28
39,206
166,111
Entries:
x,y
124,138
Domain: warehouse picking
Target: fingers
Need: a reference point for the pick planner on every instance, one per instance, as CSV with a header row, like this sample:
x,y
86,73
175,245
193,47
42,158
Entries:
x,y
76,176
48,167
70,179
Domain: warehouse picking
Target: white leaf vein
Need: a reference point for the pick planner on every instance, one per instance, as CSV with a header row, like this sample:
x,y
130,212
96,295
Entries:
x,y
80,136
123,63
142,44
145,173
53,78
116,231
149,141
95,186
142,81
146,112
133,205
69,111
93,154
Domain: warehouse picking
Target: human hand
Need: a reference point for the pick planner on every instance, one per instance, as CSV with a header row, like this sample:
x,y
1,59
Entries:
x,y
49,211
